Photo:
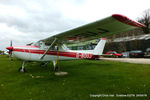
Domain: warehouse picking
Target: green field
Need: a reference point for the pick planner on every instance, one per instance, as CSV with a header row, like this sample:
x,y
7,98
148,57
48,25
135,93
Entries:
x,y
84,77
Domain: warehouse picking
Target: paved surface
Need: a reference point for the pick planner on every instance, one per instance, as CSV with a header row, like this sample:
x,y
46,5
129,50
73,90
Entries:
x,y
130,60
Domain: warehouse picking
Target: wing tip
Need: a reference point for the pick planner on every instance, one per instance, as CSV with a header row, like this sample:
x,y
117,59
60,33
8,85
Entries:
x,y
126,20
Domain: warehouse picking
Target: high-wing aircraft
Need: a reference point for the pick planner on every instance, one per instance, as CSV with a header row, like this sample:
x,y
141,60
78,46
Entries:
x,y
54,49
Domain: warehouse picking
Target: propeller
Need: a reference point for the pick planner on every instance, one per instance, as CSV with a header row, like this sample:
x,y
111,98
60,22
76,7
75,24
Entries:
x,y
10,50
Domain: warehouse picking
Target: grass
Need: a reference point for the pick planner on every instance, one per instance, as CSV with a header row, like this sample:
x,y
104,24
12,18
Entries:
x,y
85,77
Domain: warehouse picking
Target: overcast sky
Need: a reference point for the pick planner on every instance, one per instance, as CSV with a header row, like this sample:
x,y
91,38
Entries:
x,y
26,21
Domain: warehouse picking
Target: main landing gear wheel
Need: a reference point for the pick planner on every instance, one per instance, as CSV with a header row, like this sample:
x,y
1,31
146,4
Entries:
x,y
43,64
56,69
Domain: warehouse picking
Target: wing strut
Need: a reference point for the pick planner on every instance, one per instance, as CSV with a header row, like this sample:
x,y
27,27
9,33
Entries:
x,y
56,67
48,49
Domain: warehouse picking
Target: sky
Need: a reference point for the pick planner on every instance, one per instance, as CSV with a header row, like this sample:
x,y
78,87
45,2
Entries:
x,y
26,21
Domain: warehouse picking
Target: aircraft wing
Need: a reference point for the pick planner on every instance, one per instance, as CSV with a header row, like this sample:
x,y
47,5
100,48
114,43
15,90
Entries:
x,y
113,24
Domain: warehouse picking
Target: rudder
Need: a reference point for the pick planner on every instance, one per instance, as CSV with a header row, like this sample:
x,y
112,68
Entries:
x,y
98,50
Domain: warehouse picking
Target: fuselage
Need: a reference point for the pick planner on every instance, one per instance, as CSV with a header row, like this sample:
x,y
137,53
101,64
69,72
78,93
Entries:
x,y
34,53
41,52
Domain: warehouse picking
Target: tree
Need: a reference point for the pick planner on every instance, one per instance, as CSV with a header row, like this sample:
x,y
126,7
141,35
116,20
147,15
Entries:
x,y
145,19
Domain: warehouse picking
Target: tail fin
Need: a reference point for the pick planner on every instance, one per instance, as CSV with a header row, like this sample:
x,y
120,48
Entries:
x,y
98,50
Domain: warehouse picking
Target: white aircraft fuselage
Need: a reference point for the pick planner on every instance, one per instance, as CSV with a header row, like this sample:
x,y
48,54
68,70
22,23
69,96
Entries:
x,y
34,53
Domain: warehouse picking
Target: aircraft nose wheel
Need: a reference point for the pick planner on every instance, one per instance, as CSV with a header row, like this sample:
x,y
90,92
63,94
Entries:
x,y
22,70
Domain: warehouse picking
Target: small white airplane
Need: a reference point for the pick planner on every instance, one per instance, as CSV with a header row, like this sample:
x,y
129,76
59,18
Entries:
x,y
53,48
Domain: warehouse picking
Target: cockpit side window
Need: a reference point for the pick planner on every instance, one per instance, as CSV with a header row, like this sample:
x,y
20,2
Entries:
x,y
37,44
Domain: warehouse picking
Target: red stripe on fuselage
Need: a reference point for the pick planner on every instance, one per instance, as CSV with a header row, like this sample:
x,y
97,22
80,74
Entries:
x,y
61,53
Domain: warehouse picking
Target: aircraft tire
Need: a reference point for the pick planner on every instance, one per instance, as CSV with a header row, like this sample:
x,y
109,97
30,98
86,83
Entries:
x,y
22,70
43,64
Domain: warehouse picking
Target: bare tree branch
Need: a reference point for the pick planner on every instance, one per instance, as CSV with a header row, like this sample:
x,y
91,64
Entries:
x,y
145,19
